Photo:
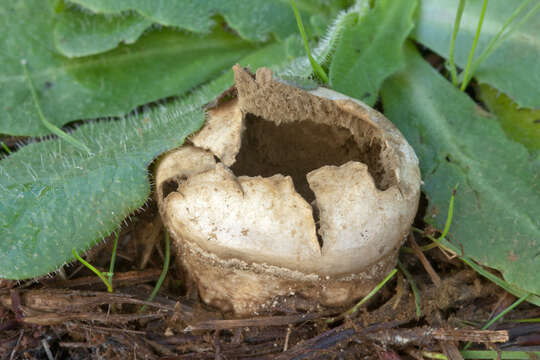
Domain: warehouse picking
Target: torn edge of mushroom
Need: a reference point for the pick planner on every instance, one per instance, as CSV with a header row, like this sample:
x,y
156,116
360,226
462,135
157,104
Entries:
x,y
255,217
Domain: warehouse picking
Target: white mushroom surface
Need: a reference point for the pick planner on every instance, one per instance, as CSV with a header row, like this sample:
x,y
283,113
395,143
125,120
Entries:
x,y
287,193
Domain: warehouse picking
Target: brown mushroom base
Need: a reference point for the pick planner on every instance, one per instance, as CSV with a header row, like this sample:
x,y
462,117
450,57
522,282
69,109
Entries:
x,y
252,289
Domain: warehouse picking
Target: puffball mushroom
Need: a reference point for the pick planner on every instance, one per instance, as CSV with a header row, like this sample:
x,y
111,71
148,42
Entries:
x,y
288,193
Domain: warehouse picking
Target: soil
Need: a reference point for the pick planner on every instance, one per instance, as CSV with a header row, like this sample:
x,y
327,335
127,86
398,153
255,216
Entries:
x,y
70,315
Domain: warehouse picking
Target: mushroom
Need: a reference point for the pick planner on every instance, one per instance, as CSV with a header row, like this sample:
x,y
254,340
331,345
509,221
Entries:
x,y
288,193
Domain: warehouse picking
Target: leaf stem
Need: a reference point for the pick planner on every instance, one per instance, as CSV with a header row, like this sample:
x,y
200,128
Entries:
x,y
529,14
113,257
93,269
434,355
163,271
457,22
501,314
423,248
505,311
486,354
317,68
450,215
473,48
414,288
371,293
365,299
529,320
6,149
50,126
498,38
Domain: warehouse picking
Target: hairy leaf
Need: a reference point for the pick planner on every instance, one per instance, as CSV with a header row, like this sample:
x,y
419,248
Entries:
x,y
521,125
160,64
324,51
252,19
54,198
513,67
371,49
496,210
78,33
81,32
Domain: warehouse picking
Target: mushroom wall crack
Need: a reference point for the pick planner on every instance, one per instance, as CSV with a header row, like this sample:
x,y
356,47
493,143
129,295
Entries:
x,y
294,149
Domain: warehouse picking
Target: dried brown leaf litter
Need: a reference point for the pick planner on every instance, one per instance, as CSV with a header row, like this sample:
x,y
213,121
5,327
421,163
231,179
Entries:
x,y
287,193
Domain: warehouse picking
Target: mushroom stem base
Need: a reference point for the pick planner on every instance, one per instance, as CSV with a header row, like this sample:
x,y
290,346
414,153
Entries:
x,y
247,289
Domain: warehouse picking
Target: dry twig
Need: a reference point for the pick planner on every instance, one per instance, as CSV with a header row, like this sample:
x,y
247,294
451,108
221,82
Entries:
x,y
425,262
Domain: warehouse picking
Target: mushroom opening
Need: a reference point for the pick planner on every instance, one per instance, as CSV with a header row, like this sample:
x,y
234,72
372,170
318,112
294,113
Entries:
x,y
296,148
169,186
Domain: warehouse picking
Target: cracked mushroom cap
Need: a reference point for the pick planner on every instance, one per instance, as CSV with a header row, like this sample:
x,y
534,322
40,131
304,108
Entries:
x,y
286,193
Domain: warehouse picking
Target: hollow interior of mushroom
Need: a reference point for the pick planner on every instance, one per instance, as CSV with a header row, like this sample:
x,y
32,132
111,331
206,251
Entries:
x,y
296,148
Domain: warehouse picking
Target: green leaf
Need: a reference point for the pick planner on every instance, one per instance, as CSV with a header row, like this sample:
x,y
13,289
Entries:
x,y
521,125
160,64
513,67
253,20
498,201
79,33
371,49
54,197
324,50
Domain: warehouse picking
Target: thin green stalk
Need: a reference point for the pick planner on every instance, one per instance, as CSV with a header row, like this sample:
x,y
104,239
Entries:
x,y
6,149
492,354
529,15
414,288
486,354
497,39
506,311
317,68
434,355
163,271
428,247
468,323
365,299
423,248
94,270
530,320
447,224
457,22
113,257
473,48
500,315
450,215
50,126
